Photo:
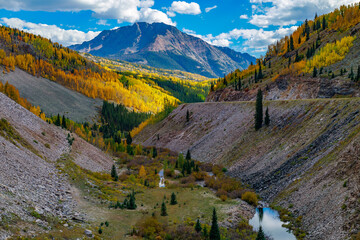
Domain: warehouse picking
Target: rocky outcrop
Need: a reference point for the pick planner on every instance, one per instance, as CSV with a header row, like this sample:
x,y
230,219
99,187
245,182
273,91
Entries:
x,y
296,160
287,88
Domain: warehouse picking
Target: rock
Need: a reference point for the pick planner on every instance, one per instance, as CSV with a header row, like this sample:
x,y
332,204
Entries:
x,y
88,233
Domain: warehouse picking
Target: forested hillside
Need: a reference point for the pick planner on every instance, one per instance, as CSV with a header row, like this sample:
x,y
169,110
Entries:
x,y
320,59
40,57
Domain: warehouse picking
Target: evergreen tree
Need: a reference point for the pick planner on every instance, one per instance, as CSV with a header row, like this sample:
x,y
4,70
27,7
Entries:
x,y
225,82
173,199
57,120
358,74
259,110
351,74
324,23
267,117
291,43
261,235
299,40
154,152
198,227
63,123
163,209
114,174
239,84
260,75
269,64
314,72
214,231
131,202
205,232
212,87
256,77
188,155
187,116
128,139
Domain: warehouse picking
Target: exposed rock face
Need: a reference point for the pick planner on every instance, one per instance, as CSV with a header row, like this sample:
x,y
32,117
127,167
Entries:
x,y
302,158
164,46
287,88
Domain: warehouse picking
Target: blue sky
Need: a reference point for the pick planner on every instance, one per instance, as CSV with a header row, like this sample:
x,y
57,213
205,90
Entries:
x,y
244,25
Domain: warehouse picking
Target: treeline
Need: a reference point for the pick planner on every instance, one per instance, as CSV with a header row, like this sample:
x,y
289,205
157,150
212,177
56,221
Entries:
x,y
13,93
116,119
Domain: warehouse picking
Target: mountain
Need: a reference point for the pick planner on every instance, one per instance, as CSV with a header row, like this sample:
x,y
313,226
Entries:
x,y
164,46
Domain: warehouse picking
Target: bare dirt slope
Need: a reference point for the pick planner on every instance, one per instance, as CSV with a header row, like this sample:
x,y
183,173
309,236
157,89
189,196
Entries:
x,y
31,187
53,98
296,160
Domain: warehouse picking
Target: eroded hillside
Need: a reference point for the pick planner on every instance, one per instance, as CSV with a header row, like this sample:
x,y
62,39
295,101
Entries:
x,y
301,160
33,192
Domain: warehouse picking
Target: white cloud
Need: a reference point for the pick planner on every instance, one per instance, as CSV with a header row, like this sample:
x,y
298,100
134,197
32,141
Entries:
x,y
208,9
102,22
289,12
255,40
56,34
122,10
182,7
244,16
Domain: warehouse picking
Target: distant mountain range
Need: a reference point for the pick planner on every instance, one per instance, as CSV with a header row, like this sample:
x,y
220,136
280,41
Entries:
x,y
164,46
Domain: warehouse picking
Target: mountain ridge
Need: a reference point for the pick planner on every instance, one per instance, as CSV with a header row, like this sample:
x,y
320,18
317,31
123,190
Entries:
x,y
164,46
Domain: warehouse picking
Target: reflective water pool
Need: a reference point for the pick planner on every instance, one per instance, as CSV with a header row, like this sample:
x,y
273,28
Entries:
x,y
271,224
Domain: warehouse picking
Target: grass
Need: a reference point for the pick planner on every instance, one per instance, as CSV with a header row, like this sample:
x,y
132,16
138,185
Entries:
x,y
193,202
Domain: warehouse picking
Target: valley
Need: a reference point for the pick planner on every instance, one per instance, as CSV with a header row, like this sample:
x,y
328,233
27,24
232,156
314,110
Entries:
x,y
145,131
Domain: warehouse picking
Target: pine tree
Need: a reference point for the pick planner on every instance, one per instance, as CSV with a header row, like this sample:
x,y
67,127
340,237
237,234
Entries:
x,y
114,174
239,84
131,203
187,116
256,77
57,120
324,23
154,152
260,75
259,110
267,117
358,74
291,43
205,232
129,139
314,72
261,235
63,123
351,74
198,227
214,231
163,209
188,155
173,200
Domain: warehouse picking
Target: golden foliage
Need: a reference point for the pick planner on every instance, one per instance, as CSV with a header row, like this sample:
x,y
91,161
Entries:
x,y
142,172
330,54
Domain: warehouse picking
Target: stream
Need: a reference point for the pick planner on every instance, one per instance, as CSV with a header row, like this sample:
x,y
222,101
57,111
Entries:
x,y
162,179
271,224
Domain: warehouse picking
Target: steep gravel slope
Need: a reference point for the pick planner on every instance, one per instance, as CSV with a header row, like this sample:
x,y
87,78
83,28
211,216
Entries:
x,y
32,190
